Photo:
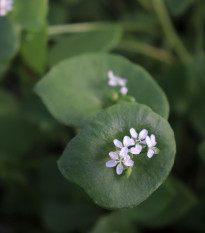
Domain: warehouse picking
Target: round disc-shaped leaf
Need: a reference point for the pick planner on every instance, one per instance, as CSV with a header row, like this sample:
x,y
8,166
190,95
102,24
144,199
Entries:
x,y
77,89
83,161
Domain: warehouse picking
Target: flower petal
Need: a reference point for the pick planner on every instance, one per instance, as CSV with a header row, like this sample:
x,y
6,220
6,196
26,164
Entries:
x,y
153,140
117,143
143,134
113,155
112,82
119,169
121,81
150,153
128,162
124,90
123,152
111,163
136,150
133,133
110,74
148,141
127,141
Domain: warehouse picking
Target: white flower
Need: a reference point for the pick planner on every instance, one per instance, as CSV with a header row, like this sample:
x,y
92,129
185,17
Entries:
x,y
115,80
127,141
136,150
118,158
117,143
139,138
124,90
151,143
5,6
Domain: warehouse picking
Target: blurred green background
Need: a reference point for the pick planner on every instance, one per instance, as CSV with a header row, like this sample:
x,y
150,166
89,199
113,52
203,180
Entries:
x,y
167,39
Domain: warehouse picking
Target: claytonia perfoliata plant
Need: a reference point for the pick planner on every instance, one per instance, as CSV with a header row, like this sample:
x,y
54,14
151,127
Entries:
x,y
5,7
123,157
114,81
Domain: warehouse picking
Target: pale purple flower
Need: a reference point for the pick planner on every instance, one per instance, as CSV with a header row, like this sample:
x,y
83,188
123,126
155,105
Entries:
x,y
118,159
151,143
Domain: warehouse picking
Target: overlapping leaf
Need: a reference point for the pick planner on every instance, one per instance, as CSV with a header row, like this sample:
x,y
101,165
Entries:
x,y
77,89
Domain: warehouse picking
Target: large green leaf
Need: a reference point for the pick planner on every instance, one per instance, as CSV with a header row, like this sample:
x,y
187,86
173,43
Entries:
x,y
76,90
30,15
9,43
96,41
83,161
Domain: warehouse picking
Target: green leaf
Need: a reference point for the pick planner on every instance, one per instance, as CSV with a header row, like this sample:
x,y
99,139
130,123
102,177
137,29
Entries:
x,y
30,15
77,89
97,41
9,43
83,161
202,150
177,7
114,222
33,49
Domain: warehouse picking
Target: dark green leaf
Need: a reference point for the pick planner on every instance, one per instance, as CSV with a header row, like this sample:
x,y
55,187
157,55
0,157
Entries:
x,y
77,89
83,161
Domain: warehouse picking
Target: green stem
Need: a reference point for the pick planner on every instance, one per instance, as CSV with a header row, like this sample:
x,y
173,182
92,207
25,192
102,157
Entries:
x,y
93,26
145,49
170,33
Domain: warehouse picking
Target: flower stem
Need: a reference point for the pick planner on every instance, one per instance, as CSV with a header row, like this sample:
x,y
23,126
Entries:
x,y
145,49
93,26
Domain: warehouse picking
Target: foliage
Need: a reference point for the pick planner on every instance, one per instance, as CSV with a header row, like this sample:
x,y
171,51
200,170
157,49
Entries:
x,y
62,105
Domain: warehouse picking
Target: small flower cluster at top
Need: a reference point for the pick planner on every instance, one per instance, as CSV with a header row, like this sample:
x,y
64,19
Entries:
x,y
125,151
114,81
5,6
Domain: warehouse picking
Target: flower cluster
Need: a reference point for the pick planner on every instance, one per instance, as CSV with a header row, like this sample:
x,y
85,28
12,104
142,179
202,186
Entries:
x,y
117,81
134,145
5,6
